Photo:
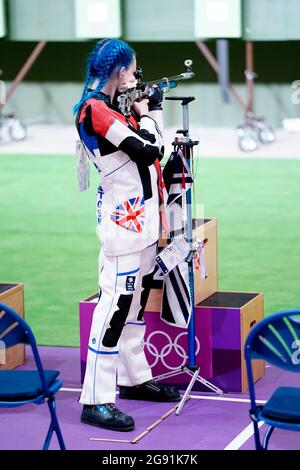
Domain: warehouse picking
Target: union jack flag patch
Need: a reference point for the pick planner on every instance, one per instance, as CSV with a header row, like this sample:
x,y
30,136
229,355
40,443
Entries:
x,y
130,214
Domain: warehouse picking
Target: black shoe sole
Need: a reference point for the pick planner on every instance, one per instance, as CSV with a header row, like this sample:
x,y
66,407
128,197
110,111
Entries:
x,y
112,428
157,400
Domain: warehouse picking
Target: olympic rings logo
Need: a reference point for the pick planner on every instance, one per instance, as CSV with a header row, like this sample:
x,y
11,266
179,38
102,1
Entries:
x,y
167,349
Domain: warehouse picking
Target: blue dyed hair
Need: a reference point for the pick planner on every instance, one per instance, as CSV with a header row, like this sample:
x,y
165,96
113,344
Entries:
x,y
108,56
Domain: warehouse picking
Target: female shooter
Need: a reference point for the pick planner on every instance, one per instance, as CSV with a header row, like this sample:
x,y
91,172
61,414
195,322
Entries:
x,y
126,151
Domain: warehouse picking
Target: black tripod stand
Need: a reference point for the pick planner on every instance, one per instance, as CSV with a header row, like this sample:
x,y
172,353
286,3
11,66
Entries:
x,y
191,368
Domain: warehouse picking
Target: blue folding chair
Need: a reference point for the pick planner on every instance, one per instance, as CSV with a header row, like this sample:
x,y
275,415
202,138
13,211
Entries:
x,y
276,339
20,387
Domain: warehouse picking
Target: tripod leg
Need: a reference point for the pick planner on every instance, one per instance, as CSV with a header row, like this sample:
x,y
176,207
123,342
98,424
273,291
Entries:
x,y
209,385
205,382
187,392
167,375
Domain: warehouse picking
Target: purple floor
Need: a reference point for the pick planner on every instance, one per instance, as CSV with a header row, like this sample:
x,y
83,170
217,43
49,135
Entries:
x,y
206,422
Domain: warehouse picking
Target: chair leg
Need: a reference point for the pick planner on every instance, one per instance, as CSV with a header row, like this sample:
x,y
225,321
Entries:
x,y
48,437
267,437
54,425
258,445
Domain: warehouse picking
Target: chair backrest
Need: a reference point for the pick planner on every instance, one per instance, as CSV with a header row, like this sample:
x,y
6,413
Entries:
x,y
14,330
276,339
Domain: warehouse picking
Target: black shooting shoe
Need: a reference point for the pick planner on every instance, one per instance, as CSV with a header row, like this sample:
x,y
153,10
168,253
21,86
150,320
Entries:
x,y
107,416
150,391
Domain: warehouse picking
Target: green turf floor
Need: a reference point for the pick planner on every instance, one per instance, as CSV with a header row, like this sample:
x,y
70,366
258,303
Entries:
x,y
48,239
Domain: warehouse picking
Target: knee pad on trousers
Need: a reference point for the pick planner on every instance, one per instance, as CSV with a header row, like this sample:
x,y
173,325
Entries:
x,y
117,322
147,284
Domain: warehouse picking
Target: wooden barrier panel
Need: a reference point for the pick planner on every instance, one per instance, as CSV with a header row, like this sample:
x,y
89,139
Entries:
x,y
13,296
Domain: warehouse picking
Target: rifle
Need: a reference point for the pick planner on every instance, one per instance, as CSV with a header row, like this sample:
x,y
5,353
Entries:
x,y
140,89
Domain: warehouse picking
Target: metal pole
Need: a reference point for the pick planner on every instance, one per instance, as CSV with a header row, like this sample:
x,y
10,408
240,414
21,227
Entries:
x,y
249,75
191,327
215,66
24,70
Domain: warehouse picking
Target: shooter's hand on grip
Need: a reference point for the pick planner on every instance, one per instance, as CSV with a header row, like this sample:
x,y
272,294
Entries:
x,y
155,98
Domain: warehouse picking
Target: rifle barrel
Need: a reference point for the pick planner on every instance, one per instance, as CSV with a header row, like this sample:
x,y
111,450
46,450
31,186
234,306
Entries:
x,y
181,76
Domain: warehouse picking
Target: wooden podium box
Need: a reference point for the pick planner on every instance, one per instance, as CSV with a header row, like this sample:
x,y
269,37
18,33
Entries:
x,y
13,296
203,230
230,316
222,323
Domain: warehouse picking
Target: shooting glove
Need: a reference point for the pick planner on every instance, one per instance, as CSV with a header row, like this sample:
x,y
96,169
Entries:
x,y
155,99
